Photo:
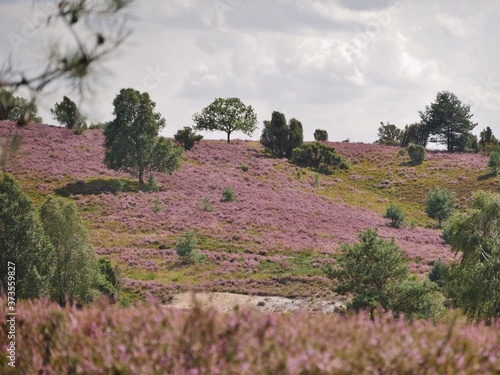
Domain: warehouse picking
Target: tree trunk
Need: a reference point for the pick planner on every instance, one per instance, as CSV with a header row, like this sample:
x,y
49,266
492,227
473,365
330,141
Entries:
x,y
141,177
228,137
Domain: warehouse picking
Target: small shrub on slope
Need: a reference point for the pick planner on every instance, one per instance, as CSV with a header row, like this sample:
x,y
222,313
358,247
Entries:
x,y
320,156
417,154
186,248
395,214
187,138
440,204
228,195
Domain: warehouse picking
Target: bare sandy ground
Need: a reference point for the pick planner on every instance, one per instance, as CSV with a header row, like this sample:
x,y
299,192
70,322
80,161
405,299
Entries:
x,y
231,301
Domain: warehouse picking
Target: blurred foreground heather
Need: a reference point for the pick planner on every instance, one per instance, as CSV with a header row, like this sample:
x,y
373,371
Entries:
x,y
150,339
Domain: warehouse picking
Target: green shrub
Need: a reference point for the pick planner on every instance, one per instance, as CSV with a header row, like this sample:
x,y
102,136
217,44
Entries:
x,y
187,138
417,154
152,184
320,156
186,248
117,186
440,204
157,206
494,161
244,167
320,135
207,205
228,195
438,273
396,215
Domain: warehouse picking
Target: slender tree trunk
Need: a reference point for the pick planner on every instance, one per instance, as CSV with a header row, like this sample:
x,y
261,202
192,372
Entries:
x,y
228,137
141,176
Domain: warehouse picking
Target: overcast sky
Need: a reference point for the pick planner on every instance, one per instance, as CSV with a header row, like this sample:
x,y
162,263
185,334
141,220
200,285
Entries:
x,y
339,65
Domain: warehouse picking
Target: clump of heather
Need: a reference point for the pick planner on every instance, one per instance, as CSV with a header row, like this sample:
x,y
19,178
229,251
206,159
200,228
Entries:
x,y
152,339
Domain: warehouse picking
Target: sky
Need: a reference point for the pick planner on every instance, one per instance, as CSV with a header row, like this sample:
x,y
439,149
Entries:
x,y
339,65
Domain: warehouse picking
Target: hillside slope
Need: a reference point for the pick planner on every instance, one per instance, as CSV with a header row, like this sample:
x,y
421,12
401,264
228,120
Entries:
x,y
277,235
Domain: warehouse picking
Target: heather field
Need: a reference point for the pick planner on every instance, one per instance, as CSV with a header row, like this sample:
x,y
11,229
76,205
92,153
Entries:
x,y
151,339
273,240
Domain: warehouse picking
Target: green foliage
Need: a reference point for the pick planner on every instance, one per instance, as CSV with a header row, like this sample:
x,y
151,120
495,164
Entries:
x,y
117,186
279,138
473,281
131,139
187,138
23,242
244,167
16,108
99,125
109,282
186,248
76,275
152,185
228,195
447,120
157,206
494,161
416,154
413,134
316,180
439,273
227,115
320,135
207,205
440,204
368,269
375,273
487,141
320,156
395,214
67,113
388,134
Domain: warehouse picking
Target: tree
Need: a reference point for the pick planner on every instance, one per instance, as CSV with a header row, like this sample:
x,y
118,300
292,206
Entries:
x,y
494,161
23,242
414,134
296,138
474,280
395,214
416,154
440,204
320,135
388,134
375,272
76,274
109,282
487,141
187,138
227,115
16,108
131,139
67,113
447,120
279,138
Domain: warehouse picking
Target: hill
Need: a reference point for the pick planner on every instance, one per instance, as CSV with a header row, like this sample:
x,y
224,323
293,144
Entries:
x,y
273,240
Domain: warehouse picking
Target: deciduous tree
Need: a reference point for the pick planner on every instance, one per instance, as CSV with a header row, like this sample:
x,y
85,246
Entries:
x,y
67,113
131,140
23,242
227,115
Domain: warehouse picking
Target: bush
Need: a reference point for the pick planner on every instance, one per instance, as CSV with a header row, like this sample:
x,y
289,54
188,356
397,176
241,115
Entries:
x,y
494,161
186,248
228,195
117,186
417,154
244,167
438,273
440,204
187,138
317,155
395,214
207,206
321,135
152,184
157,206
281,138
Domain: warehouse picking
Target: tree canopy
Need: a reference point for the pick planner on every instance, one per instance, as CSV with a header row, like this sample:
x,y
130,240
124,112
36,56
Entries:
x,y
16,108
76,272
388,134
281,138
475,235
131,140
439,204
448,121
227,115
23,242
67,113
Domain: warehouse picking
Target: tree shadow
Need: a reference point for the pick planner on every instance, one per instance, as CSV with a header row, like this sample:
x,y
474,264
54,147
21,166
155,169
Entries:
x,y
99,186
487,176
409,164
